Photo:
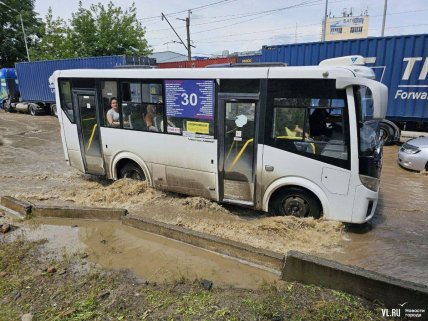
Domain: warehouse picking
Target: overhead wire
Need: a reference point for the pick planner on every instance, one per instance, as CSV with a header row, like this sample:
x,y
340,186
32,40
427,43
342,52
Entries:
x,y
191,9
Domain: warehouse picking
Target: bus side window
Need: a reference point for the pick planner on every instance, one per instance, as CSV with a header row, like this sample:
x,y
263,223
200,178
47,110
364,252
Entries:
x,y
153,106
108,91
66,99
309,118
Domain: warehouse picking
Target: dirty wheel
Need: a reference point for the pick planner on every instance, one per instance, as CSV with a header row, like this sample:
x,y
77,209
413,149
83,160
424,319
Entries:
x,y
32,110
7,107
54,111
296,202
133,171
386,133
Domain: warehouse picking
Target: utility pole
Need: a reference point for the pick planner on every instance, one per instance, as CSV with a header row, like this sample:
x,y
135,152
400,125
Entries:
x,y
189,46
22,25
324,31
384,17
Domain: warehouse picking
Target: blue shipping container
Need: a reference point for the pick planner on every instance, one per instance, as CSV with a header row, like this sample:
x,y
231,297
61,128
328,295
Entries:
x,y
400,62
34,76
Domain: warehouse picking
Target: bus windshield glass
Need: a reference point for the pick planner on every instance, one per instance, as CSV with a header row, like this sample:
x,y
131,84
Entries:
x,y
368,127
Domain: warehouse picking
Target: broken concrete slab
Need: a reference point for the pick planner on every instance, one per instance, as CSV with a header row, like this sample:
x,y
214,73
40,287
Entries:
x,y
22,207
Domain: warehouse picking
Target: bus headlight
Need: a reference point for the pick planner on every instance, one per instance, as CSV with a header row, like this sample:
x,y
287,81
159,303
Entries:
x,y
371,183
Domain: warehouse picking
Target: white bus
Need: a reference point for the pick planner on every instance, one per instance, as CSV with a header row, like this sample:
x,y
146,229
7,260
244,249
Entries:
x,y
297,141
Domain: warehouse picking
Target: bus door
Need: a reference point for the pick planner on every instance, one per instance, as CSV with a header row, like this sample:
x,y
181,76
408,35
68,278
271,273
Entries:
x,y
237,148
85,105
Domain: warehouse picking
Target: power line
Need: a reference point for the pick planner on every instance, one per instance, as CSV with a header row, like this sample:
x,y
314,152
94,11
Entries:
x,y
192,9
301,26
262,13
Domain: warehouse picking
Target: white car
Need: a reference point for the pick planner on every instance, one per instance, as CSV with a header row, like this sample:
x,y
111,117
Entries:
x,y
414,154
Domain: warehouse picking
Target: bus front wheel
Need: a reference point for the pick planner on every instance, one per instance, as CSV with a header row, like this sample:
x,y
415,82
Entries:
x,y
297,202
131,170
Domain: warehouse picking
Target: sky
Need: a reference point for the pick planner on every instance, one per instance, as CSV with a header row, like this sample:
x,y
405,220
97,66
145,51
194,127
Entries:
x,y
247,25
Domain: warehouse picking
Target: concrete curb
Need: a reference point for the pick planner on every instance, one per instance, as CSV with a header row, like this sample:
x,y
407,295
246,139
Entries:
x,y
16,205
78,212
373,286
12,213
238,250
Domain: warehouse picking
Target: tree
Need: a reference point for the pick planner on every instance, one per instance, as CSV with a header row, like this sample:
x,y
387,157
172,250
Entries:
x,y
53,43
98,31
12,45
104,31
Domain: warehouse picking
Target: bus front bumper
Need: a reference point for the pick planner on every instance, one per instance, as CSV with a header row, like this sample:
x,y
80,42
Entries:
x,y
364,204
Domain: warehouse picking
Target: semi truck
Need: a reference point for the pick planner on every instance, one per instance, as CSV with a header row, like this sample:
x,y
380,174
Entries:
x,y
9,89
26,87
400,62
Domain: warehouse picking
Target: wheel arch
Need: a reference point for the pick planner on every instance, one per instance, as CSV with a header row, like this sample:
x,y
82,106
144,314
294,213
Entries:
x,y
123,156
287,182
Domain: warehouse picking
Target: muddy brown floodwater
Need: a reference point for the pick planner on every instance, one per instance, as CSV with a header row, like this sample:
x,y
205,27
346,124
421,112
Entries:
x,y
151,257
395,242
32,167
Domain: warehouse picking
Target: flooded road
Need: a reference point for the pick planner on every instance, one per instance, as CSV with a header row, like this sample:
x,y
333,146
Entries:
x,y
153,258
395,243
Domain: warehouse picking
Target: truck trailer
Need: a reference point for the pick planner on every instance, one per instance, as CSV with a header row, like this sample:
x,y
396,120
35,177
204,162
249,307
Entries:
x,y
35,94
400,62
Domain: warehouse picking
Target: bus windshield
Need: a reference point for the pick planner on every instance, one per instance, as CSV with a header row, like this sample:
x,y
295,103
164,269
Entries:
x,y
368,127
369,142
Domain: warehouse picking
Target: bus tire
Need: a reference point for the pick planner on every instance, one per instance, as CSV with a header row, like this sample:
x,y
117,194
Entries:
x,y
131,170
294,201
386,133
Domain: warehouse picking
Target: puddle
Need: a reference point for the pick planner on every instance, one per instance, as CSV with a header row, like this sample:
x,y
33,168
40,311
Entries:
x,y
112,245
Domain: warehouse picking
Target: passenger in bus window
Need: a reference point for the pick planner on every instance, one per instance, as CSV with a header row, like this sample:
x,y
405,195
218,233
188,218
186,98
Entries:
x,y
153,118
294,132
113,117
150,123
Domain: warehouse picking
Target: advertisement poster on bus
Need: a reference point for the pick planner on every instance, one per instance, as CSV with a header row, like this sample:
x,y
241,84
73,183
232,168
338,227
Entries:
x,y
190,99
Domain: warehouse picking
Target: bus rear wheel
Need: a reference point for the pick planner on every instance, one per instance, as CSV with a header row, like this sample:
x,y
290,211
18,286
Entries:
x,y
296,202
133,171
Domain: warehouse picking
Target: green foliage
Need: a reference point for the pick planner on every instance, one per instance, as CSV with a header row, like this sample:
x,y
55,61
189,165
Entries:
x,y
97,31
53,44
12,45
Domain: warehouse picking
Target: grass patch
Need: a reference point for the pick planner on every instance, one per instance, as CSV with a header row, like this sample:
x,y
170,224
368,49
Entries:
x,y
79,295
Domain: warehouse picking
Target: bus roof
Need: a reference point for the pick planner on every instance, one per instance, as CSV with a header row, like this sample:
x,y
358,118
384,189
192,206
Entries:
x,y
211,73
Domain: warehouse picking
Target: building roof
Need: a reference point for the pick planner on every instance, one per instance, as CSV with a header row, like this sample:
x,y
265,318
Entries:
x,y
168,56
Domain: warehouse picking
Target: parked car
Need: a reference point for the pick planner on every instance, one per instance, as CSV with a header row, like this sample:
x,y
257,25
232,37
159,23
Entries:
x,y
414,154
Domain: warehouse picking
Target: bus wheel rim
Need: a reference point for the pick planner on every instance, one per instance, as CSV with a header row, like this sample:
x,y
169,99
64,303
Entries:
x,y
296,206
